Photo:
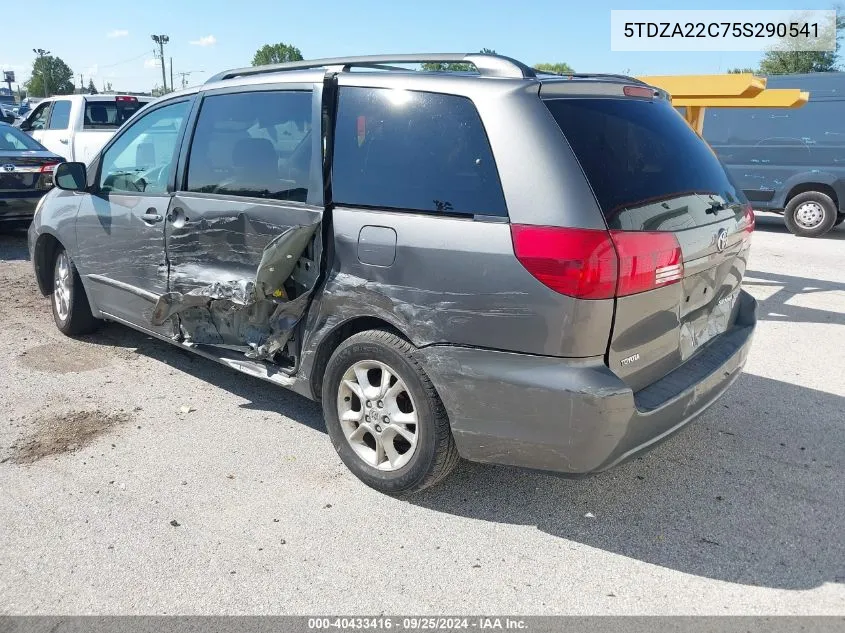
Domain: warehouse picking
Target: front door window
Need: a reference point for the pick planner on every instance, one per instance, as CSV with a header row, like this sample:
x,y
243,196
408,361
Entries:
x,y
140,161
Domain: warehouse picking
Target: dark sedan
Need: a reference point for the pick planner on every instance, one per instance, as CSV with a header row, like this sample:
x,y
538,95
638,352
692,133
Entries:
x,y
26,174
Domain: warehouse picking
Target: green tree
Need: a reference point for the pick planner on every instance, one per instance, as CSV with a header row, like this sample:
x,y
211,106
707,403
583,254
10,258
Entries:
x,y
560,68
276,54
92,89
788,57
738,71
50,76
454,68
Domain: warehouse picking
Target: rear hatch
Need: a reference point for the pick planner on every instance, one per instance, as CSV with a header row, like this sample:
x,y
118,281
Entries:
x,y
680,228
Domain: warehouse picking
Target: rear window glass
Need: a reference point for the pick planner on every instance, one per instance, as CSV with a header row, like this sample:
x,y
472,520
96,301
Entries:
x,y
649,170
12,139
105,115
414,151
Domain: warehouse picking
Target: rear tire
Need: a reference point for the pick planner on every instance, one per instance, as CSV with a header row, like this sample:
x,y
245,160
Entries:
x,y
810,214
384,416
71,310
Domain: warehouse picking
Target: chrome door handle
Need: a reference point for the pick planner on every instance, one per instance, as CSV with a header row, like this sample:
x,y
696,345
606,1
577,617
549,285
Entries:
x,y
152,216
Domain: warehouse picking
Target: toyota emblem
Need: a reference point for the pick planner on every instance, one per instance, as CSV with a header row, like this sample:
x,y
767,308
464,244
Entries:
x,y
721,240
9,167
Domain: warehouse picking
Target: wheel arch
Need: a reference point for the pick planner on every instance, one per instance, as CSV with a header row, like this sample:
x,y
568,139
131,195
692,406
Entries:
x,y
43,256
333,337
820,187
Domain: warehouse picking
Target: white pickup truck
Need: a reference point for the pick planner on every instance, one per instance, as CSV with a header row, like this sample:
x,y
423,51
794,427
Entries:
x,y
77,126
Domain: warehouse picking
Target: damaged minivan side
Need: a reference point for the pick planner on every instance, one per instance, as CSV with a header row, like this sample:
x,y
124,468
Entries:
x,y
505,266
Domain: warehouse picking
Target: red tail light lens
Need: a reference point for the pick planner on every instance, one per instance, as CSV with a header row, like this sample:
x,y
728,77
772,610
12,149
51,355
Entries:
x,y
126,98
597,264
576,262
48,169
647,261
750,220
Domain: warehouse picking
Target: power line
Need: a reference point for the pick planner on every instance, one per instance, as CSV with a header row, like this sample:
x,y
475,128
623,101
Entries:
x,y
126,61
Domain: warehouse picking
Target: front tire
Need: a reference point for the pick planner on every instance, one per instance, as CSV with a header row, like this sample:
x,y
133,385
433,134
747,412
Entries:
x,y
384,416
810,214
71,311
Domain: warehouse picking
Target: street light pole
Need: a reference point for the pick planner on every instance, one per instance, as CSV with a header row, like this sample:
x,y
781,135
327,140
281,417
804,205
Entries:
x,y
41,54
161,40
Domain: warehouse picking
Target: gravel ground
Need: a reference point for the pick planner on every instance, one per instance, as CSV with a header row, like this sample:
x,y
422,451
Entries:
x,y
139,479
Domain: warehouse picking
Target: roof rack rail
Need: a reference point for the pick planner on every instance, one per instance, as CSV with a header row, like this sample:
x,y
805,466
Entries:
x,y
593,76
487,65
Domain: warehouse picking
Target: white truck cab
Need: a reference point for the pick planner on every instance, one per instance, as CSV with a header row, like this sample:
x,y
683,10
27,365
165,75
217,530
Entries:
x,y
77,126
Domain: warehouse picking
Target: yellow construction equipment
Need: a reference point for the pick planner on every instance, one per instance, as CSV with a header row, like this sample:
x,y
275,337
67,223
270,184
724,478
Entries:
x,y
695,93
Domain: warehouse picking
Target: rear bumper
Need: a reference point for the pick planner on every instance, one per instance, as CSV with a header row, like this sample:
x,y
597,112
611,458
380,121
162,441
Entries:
x,y
19,207
575,416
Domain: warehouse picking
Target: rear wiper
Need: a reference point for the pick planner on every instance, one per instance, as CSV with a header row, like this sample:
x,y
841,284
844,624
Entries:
x,y
715,207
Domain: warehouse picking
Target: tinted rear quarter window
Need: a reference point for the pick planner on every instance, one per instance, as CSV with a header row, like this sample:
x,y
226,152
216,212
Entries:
x,y
648,169
415,151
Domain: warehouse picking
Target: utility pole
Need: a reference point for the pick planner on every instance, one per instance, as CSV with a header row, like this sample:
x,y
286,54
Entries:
x,y
186,74
172,85
41,54
161,40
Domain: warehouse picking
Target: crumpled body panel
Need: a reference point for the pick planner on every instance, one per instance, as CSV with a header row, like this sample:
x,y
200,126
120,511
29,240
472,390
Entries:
x,y
256,313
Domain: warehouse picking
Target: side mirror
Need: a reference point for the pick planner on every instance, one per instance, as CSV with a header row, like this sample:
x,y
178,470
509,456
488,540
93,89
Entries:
x,y
71,176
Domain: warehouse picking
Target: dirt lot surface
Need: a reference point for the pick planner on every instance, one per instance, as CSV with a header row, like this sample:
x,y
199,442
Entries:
x,y
137,478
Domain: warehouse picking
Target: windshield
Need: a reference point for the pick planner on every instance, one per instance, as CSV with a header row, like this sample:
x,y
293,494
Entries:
x,y
648,169
12,139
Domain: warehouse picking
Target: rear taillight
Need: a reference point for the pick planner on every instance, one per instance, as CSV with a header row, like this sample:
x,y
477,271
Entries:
x,y
647,261
576,262
48,169
597,264
124,98
749,220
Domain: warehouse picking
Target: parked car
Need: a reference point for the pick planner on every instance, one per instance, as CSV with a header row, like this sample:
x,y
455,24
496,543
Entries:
x,y
511,267
789,161
26,174
7,115
77,126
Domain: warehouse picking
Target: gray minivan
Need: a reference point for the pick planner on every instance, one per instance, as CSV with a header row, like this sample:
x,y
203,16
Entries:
x,y
504,265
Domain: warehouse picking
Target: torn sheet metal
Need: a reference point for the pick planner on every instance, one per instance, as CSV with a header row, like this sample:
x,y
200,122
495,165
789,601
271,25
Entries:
x,y
254,314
